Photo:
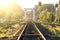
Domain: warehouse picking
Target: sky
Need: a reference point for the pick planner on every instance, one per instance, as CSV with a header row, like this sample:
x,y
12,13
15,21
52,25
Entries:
x,y
27,3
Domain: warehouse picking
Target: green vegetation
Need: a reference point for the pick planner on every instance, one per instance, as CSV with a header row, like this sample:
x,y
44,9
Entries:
x,y
54,29
12,18
45,13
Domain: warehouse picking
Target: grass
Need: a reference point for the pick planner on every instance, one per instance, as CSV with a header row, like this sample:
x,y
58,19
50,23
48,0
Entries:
x,y
55,30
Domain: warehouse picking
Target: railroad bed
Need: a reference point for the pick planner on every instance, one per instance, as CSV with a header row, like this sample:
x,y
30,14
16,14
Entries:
x,y
28,32
31,32
15,35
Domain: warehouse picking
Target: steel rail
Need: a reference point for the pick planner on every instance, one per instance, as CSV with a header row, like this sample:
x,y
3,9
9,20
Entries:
x,y
43,38
21,32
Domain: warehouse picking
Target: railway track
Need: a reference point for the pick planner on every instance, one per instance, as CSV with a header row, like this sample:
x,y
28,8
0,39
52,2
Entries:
x,y
47,34
31,32
28,32
15,35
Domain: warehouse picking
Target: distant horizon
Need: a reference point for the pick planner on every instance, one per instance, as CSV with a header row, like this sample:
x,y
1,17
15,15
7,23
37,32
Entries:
x,y
28,3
